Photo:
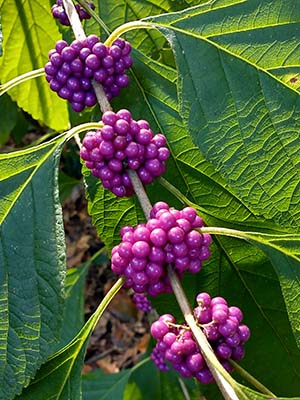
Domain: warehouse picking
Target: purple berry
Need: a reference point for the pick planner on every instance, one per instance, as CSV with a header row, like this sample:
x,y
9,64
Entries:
x,y
159,329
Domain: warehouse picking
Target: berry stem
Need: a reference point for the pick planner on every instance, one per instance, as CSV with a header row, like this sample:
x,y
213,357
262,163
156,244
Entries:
x,y
82,128
221,376
258,385
180,196
129,26
106,300
80,35
140,192
20,79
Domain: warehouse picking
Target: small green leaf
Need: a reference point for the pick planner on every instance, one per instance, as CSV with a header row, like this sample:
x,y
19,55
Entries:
x,y
98,386
109,212
159,385
73,319
60,377
253,395
142,382
25,22
8,117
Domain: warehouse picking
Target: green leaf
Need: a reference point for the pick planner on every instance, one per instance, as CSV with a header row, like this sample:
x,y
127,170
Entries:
x,y
66,185
98,386
242,117
8,116
148,41
109,213
73,319
26,22
60,377
251,394
32,259
283,252
287,269
142,382
147,383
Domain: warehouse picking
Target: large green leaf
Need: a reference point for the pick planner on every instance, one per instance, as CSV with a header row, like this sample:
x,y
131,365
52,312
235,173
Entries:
x,y
31,24
237,270
32,260
242,117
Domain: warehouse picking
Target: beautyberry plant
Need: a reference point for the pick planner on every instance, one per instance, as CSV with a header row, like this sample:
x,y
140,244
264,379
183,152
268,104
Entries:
x,y
188,140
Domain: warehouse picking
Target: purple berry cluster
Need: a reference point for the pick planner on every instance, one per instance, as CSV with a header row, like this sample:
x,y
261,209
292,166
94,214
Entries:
x,y
59,13
141,302
72,68
168,237
123,144
221,325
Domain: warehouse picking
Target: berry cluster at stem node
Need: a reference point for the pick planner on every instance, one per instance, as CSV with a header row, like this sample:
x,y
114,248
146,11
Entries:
x,y
142,302
71,69
168,238
177,347
60,14
123,144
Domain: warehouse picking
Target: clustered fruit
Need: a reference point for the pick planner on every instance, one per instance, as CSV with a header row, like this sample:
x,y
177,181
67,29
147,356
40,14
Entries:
x,y
141,302
168,237
177,347
123,144
59,13
71,69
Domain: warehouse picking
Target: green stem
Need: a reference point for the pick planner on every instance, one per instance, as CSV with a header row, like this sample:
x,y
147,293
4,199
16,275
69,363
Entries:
x,y
172,189
130,26
181,197
20,79
258,385
82,128
226,232
106,300
96,17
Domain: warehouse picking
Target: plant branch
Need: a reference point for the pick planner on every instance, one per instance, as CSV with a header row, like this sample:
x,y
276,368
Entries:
x,y
130,26
80,35
82,128
140,192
